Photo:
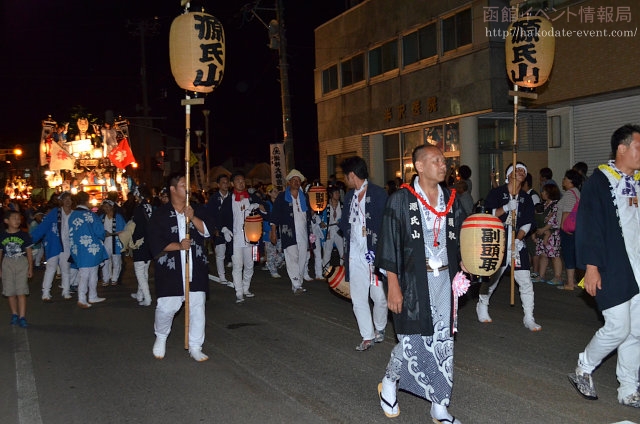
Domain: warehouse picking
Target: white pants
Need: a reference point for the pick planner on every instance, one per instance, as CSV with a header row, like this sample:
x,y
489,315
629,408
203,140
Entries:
x,y
37,256
87,281
523,278
328,248
361,288
317,261
53,262
111,267
221,250
295,256
167,308
141,269
621,330
242,260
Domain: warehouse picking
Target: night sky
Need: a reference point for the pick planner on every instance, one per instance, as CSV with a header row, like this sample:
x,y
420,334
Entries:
x,y
57,55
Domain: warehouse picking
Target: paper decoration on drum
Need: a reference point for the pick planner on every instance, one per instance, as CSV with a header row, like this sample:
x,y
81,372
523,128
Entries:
x,y
482,242
197,51
336,278
529,50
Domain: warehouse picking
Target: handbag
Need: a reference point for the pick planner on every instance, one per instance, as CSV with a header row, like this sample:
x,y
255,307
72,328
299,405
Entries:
x,y
569,223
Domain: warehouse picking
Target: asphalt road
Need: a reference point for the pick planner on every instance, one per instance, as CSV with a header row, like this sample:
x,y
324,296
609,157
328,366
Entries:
x,y
281,358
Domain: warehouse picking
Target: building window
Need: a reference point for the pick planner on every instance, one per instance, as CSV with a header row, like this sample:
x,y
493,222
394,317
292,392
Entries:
x,y
330,79
456,31
392,159
352,70
383,59
419,45
555,131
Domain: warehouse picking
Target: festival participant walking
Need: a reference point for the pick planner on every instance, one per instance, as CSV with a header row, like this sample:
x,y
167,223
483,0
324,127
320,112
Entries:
x,y
332,216
361,220
419,250
241,206
607,231
290,214
504,201
54,229
140,248
170,241
219,206
274,254
87,234
113,224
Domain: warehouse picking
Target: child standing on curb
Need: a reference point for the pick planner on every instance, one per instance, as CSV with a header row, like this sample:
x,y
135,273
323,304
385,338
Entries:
x,y
17,266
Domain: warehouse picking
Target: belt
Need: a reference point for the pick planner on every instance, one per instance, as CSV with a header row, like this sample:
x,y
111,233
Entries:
x,y
442,268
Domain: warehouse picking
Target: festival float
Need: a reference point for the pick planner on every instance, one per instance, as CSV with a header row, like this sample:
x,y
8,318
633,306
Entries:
x,y
89,157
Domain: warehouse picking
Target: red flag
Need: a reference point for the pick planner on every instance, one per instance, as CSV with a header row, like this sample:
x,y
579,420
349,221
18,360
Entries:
x,y
60,158
122,155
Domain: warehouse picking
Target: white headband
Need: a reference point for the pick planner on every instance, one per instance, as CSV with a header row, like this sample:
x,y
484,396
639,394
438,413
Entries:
x,y
510,170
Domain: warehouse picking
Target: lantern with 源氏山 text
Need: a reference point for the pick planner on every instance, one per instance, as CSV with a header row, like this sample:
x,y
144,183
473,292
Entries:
x,y
529,50
197,51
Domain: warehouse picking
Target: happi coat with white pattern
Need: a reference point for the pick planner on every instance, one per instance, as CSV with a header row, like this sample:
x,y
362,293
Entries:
x,y
163,230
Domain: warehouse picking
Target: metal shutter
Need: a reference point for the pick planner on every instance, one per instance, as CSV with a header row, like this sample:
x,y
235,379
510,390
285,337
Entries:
x,y
594,123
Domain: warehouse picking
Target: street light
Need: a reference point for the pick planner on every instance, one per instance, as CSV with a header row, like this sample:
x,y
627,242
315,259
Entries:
x,y
16,151
206,112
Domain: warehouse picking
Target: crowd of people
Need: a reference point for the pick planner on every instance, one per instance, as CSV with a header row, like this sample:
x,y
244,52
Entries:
x,y
400,247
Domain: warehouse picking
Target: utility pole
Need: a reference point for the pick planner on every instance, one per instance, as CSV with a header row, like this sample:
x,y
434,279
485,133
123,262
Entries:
x,y
287,128
143,28
278,41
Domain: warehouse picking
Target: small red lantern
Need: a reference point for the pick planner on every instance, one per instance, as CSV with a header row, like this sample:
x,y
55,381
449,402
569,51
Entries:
x,y
482,240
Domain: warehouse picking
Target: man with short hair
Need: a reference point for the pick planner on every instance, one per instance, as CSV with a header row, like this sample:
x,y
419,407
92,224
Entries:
x,y
241,206
219,207
419,249
361,221
172,244
54,229
607,232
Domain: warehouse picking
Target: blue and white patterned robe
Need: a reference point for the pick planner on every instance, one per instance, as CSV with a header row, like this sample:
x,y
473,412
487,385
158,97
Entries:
x,y
86,233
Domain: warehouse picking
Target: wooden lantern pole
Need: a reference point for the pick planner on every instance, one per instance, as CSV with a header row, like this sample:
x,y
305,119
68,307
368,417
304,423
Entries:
x,y
516,189
187,172
187,102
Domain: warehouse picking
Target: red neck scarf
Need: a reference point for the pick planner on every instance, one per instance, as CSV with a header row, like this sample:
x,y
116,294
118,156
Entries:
x,y
439,215
241,195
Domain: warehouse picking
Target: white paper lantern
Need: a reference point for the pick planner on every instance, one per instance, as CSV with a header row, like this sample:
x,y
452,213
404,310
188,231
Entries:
x,y
529,50
197,51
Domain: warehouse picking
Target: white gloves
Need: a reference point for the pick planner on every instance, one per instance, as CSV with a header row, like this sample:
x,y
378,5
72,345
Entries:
x,y
519,245
511,206
228,235
254,206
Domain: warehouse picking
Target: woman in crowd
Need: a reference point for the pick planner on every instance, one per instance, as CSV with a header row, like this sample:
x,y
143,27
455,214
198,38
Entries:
x,y
547,236
570,183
